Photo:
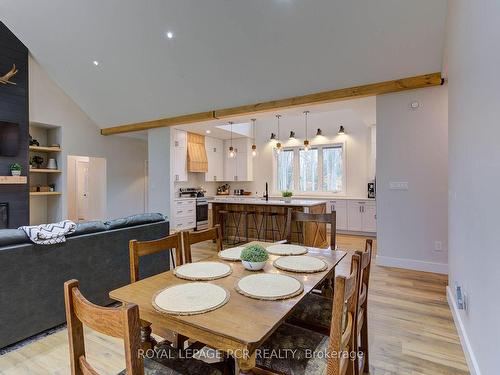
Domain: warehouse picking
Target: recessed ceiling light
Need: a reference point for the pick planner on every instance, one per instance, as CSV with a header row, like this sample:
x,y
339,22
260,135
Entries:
x,y
208,131
170,34
96,62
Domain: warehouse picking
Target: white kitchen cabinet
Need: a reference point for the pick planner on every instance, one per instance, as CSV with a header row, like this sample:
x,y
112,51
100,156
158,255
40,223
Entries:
x,y
340,207
215,157
370,217
361,216
179,155
240,167
184,214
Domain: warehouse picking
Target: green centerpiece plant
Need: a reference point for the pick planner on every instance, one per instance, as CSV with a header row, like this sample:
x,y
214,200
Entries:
x,y
254,257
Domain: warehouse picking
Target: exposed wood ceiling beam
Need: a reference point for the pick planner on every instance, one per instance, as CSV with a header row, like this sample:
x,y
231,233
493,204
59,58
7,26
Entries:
x,y
373,89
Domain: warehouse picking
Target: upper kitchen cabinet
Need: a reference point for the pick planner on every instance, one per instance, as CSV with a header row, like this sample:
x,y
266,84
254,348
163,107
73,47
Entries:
x,y
179,155
239,167
215,156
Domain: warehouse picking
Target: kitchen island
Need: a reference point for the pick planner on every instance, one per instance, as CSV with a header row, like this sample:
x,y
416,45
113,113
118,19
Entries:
x,y
251,219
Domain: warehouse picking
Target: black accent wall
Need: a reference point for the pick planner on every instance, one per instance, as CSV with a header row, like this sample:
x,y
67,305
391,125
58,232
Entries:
x,y
14,108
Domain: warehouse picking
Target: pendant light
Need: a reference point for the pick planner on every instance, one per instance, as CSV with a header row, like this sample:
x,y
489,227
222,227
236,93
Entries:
x,y
306,141
278,145
341,130
231,149
254,146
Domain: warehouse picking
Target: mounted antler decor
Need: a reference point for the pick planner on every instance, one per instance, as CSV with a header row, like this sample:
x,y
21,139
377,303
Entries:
x,y
5,79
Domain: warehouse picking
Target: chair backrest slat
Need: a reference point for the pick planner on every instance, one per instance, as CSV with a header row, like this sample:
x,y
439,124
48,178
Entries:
x,y
121,322
302,217
191,238
341,339
138,249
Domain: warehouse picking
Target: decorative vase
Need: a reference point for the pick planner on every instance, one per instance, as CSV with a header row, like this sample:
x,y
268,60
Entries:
x,y
52,164
253,266
288,199
15,172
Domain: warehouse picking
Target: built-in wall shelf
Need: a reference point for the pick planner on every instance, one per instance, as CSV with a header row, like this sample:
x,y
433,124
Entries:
x,y
13,180
45,149
44,193
43,170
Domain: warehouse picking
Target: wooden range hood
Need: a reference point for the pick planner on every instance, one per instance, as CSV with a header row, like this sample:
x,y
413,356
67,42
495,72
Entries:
x,y
196,153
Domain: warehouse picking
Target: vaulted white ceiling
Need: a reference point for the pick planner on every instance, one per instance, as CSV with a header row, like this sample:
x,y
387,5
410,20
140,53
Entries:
x,y
224,52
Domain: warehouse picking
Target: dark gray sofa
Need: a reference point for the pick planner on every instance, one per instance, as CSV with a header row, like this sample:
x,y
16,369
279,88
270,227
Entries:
x,y
32,276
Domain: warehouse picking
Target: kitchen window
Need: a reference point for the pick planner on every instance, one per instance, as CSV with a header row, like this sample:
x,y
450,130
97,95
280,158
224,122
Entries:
x,y
319,170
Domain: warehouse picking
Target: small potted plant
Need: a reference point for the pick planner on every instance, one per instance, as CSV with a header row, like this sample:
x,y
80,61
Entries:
x,y
38,161
287,195
254,257
15,169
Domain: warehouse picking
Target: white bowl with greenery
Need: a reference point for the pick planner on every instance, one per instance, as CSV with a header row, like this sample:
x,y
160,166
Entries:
x,y
254,257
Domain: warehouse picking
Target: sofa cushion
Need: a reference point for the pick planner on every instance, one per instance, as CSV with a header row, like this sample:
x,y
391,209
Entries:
x,y
133,220
88,227
12,237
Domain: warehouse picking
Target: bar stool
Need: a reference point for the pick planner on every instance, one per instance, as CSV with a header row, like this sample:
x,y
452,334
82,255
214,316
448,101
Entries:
x,y
274,228
251,215
225,217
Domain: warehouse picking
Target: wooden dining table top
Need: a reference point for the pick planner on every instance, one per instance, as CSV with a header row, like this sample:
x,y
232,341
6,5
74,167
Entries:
x,y
243,322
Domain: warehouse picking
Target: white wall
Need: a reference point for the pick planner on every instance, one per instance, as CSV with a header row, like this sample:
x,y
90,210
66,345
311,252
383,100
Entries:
x,y
80,136
412,146
159,167
474,175
357,143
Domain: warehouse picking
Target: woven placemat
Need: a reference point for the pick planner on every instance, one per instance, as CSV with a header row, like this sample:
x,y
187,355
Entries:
x,y
190,299
232,254
269,286
286,249
300,263
203,271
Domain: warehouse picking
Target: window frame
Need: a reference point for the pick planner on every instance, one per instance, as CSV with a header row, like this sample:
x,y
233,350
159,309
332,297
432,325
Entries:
x,y
296,170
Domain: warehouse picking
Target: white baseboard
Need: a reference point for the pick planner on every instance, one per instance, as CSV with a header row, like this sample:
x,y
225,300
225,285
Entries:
x,y
464,339
412,264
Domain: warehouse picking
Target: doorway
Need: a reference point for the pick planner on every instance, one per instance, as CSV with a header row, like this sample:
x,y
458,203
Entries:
x,y
87,188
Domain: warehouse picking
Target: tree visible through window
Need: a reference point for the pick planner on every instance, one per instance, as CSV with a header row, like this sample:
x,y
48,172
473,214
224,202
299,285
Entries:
x,y
332,169
309,175
285,170
321,169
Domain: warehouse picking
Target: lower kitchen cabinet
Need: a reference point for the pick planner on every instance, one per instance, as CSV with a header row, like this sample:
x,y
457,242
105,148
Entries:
x,y
361,216
184,214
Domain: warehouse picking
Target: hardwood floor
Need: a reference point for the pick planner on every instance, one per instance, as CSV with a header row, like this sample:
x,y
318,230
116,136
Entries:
x,y
410,325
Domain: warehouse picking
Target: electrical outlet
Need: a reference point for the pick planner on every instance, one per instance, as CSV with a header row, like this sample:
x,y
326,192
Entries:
x,y
459,298
438,246
395,185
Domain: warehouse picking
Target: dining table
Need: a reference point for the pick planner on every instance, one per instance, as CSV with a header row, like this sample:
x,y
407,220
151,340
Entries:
x,y
240,326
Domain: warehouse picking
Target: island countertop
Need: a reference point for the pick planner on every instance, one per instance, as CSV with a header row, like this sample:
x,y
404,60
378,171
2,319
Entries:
x,y
270,202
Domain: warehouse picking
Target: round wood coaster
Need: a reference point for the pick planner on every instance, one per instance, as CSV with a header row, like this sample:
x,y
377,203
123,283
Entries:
x,y
232,254
300,263
190,299
286,249
203,271
269,286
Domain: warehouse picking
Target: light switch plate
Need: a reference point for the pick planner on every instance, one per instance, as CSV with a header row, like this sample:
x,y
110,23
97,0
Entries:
x,y
395,185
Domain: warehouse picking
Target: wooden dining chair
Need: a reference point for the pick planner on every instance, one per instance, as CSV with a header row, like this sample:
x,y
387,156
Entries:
x,y
191,238
138,249
300,219
303,341
362,364
120,322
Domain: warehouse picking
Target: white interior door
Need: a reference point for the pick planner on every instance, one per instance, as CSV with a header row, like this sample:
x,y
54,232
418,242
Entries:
x,y
97,189
82,190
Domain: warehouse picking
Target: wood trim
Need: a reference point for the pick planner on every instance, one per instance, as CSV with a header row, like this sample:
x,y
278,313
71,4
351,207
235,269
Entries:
x,y
372,89
160,123
410,83
13,180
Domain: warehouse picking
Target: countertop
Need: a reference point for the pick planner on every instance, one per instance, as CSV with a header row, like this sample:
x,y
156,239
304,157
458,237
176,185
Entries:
x,y
270,202
295,197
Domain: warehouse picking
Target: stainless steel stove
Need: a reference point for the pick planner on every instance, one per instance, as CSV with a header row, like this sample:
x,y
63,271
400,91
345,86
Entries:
x,y
201,205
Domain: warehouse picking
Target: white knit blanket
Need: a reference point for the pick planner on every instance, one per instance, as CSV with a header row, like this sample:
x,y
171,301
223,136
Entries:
x,y
48,234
